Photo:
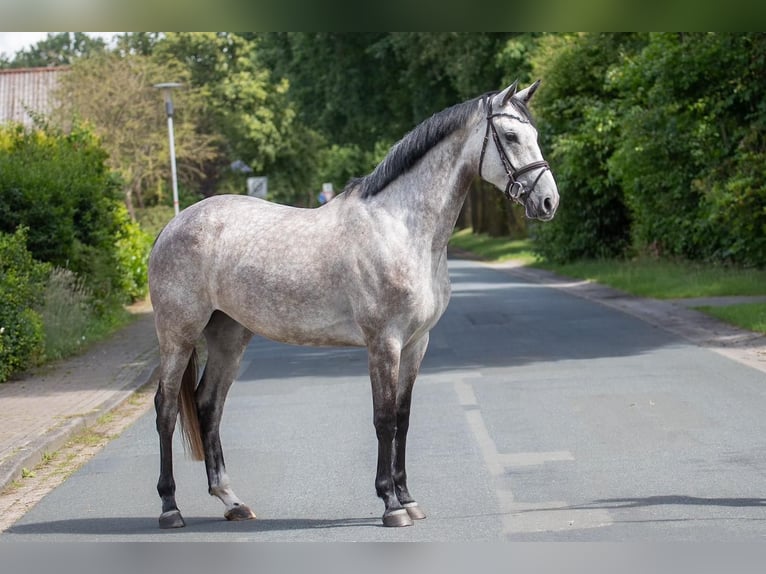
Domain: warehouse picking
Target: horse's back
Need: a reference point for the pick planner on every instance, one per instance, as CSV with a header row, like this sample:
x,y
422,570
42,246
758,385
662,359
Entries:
x,y
334,275
271,267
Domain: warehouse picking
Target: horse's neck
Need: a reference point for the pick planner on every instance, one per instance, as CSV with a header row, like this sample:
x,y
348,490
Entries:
x,y
430,196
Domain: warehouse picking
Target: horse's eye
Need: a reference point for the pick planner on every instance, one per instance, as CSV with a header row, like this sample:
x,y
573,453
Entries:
x,y
512,137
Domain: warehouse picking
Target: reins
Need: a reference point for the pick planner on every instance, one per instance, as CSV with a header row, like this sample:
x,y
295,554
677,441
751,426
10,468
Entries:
x,y
514,190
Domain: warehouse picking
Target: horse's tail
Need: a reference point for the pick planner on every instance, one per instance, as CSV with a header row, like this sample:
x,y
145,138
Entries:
x,y
189,417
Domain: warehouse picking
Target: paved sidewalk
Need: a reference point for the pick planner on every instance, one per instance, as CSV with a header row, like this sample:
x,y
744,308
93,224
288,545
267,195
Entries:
x,y
44,409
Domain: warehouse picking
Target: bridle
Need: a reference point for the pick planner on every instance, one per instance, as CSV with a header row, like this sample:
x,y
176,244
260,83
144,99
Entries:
x,y
515,190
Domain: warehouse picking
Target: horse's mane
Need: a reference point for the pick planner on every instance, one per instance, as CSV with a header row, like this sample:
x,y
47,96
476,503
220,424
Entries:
x,y
413,146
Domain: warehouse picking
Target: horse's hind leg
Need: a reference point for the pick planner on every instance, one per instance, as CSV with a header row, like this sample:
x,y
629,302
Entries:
x,y
175,365
409,366
226,343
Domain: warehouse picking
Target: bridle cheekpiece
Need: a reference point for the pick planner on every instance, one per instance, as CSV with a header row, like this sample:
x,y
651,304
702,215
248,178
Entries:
x,y
514,190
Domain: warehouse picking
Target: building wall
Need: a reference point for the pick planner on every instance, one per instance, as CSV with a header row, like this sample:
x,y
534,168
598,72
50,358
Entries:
x,y
27,89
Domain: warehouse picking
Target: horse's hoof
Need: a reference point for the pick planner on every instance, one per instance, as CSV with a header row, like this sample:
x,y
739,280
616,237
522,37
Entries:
x,y
414,511
397,518
240,512
172,519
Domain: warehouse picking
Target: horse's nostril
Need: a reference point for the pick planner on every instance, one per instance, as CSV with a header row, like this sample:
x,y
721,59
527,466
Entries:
x,y
547,205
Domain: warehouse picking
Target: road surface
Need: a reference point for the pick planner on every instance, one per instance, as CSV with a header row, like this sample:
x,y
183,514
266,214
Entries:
x,y
538,415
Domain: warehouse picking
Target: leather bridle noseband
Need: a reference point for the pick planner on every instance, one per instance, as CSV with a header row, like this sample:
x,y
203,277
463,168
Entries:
x,y
515,190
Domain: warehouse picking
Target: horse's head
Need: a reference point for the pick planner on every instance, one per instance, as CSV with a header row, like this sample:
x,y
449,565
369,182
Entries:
x,y
510,155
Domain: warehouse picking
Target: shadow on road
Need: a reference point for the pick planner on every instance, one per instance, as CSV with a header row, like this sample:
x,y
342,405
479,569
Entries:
x,y
493,320
122,526
673,500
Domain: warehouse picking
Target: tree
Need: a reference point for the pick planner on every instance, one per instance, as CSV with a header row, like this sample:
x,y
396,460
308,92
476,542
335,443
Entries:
x,y
363,88
115,94
59,49
339,87
248,107
579,127
361,92
693,151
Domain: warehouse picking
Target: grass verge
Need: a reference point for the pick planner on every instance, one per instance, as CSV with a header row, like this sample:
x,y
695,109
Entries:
x,y
494,248
655,278
666,279
658,279
751,316
69,319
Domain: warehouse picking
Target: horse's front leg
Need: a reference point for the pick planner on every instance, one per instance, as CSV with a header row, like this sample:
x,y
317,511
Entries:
x,y
384,358
411,358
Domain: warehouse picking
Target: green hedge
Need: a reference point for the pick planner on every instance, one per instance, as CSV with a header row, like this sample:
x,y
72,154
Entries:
x,y
22,283
59,210
657,142
692,159
58,186
579,132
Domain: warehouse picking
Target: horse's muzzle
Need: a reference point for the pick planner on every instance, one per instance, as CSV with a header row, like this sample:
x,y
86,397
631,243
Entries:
x,y
543,208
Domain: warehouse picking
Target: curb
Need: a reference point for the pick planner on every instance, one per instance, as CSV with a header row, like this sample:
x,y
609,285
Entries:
x,y
33,453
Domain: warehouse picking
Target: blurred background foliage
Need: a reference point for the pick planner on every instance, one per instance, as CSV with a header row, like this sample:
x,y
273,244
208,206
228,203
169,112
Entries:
x,y
656,139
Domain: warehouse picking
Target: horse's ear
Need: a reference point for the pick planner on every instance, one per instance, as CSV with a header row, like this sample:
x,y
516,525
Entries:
x,y
508,93
526,94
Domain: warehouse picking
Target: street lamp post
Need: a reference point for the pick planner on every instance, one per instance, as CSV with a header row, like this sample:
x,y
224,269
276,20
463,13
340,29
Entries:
x,y
166,89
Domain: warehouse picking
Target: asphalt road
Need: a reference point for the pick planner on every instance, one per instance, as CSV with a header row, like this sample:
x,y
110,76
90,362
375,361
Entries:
x,y
537,416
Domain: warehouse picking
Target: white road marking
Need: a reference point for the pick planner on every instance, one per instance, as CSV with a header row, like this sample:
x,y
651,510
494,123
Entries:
x,y
517,516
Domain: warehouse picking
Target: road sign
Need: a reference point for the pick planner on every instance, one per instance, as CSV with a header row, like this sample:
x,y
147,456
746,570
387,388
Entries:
x,y
258,186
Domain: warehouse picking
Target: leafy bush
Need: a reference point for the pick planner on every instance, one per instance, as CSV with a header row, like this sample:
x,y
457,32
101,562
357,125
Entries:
x,y
22,280
133,246
58,186
657,144
579,132
734,216
692,149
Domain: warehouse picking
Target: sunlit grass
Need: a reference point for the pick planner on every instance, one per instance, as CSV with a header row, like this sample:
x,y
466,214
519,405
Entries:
x,y
494,248
666,279
655,278
69,322
751,316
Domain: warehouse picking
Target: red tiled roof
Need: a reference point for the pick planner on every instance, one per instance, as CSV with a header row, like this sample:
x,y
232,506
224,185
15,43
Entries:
x,y
27,88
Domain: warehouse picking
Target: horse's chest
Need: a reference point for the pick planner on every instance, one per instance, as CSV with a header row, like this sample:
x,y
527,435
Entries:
x,y
423,301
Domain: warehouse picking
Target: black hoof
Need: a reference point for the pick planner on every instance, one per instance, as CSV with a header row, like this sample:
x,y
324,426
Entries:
x,y
414,510
171,519
240,512
397,518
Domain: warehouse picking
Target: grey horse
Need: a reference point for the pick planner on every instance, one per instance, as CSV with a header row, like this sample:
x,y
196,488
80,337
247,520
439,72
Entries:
x,y
367,269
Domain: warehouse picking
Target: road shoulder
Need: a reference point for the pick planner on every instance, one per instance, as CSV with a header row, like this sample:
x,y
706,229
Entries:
x,y
741,345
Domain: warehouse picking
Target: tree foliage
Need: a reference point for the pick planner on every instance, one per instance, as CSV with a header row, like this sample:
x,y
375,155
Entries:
x,y
656,140
56,49
59,188
248,110
691,156
115,95
22,281
579,131
657,144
